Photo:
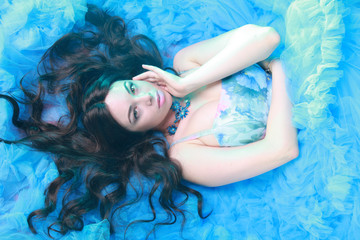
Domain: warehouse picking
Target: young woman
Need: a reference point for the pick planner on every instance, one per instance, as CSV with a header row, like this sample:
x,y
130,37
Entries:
x,y
200,137
118,115
224,112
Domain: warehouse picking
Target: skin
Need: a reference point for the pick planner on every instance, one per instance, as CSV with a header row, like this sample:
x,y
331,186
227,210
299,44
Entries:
x,y
209,61
140,97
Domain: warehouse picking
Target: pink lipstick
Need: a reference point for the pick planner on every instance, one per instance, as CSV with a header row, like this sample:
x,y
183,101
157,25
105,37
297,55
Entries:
x,y
160,98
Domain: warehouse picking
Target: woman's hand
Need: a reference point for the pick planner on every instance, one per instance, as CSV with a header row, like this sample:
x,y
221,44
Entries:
x,y
266,65
167,81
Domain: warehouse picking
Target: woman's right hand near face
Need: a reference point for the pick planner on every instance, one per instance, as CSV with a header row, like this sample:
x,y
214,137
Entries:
x,y
167,81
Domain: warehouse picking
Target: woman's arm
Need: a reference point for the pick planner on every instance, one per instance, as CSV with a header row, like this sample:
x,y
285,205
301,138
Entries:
x,y
214,59
279,124
216,166
226,54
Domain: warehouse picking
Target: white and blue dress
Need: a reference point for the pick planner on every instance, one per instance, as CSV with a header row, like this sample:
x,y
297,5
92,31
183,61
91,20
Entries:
x,y
242,110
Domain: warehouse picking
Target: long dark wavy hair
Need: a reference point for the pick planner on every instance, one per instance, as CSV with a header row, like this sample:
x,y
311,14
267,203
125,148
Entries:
x,y
91,148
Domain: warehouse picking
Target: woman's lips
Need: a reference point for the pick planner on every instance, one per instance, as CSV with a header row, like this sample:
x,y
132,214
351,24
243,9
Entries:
x,y
160,98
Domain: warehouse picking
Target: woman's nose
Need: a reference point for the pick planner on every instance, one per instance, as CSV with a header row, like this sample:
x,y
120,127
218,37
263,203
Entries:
x,y
146,98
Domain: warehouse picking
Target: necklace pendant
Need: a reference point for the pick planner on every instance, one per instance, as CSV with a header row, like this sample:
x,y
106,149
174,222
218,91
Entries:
x,y
180,113
172,129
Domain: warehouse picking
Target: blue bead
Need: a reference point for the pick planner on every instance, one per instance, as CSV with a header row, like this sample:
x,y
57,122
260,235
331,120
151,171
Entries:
x,y
180,113
172,129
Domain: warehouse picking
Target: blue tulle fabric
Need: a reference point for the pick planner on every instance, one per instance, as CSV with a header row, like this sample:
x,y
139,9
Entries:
x,y
316,196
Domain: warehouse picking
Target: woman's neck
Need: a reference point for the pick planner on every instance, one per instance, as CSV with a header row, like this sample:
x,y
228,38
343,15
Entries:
x,y
170,118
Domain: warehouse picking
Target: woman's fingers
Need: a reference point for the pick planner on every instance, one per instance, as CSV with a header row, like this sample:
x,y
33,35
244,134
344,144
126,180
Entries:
x,y
153,73
163,79
145,75
155,70
151,68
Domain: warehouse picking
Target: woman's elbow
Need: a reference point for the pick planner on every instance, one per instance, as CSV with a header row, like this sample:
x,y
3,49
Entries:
x,y
286,151
273,35
270,39
292,152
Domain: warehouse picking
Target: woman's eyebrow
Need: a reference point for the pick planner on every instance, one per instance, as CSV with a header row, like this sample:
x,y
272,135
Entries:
x,y
130,108
126,88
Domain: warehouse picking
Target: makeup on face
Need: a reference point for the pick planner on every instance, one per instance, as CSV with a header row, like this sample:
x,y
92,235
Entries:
x,y
161,98
138,105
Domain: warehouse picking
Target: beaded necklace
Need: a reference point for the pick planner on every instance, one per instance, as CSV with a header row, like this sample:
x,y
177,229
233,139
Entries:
x,y
180,113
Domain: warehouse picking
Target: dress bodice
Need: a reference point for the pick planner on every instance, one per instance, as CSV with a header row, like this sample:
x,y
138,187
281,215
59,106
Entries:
x,y
242,110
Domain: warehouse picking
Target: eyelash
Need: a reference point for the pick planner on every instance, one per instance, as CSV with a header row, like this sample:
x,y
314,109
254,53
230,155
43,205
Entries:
x,y
132,88
136,112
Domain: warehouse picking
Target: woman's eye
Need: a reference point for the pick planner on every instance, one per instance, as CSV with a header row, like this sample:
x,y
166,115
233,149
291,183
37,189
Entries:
x,y
136,113
132,87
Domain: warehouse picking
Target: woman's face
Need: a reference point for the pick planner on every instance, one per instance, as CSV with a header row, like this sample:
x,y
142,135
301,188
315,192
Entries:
x,y
138,106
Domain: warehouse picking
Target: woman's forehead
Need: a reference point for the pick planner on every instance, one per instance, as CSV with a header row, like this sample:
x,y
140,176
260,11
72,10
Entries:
x,y
117,102
116,91
117,84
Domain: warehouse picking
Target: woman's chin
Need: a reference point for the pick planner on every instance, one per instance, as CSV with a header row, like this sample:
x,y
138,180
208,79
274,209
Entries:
x,y
168,98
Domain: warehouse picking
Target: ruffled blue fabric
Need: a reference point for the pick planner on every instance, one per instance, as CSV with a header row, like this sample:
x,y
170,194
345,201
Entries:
x,y
315,196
